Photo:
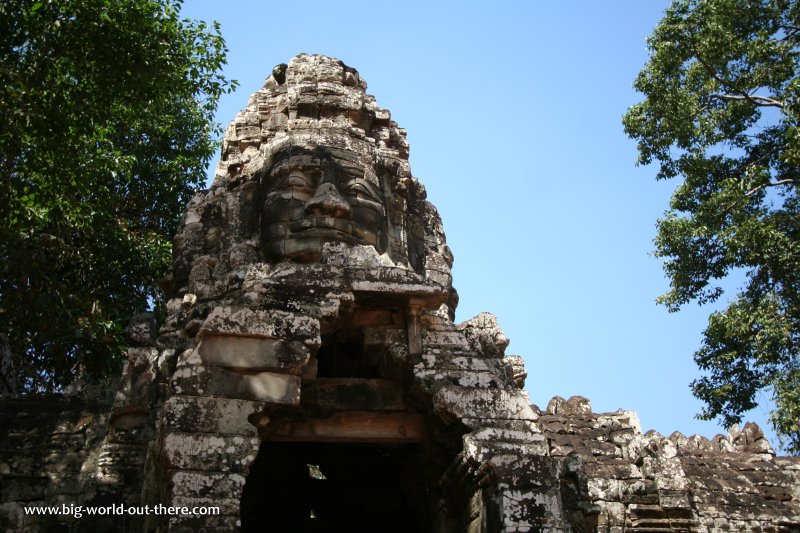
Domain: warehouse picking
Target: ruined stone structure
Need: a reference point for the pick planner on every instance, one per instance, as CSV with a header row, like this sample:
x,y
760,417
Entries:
x,y
309,376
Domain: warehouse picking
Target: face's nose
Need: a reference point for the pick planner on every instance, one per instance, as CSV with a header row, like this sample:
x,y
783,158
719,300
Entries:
x,y
327,201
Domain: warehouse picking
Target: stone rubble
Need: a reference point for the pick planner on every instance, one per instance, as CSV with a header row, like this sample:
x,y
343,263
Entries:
x,y
309,372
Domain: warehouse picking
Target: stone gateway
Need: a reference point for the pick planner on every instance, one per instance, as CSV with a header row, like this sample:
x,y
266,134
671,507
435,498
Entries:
x,y
309,375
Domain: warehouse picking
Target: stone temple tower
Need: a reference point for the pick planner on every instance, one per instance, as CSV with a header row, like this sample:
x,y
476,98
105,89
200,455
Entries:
x,y
308,375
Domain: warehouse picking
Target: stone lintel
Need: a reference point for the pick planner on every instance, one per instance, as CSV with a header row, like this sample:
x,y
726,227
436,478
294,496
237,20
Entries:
x,y
355,427
353,394
254,353
429,295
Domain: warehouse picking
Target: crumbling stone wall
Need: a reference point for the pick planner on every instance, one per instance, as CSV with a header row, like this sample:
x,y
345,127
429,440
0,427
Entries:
x,y
51,455
648,482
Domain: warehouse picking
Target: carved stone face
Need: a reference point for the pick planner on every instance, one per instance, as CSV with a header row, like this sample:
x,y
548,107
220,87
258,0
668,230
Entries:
x,y
312,197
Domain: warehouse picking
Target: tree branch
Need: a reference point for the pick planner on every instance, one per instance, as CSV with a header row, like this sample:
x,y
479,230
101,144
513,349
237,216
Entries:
x,y
763,101
791,31
771,184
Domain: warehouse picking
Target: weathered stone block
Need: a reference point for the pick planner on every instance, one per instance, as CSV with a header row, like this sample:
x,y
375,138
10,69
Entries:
x,y
624,419
254,353
674,499
524,426
389,280
215,453
575,406
271,324
526,510
210,415
197,380
484,335
445,340
207,484
613,468
497,433
483,403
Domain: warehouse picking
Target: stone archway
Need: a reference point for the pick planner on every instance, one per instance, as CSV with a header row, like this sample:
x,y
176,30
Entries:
x,y
361,450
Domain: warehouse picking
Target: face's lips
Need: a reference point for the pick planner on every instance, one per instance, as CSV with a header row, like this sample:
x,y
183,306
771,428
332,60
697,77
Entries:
x,y
323,233
322,223
326,228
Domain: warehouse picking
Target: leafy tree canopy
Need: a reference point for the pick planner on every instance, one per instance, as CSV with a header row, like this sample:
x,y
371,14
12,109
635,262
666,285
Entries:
x,y
721,112
106,110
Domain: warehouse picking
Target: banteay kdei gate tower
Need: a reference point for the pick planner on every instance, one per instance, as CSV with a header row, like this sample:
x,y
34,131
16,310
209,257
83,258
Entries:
x,y
309,376
319,382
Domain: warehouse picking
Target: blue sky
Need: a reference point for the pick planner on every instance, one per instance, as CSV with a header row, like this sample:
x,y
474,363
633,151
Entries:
x,y
513,112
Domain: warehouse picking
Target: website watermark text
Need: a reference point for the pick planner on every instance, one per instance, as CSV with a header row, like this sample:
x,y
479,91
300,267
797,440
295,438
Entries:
x,y
120,509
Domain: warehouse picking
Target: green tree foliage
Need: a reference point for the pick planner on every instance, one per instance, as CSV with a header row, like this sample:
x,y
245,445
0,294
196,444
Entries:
x,y
721,112
105,132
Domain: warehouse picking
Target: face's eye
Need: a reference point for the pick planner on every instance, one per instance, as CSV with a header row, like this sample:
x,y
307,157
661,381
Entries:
x,y
361,189
295,181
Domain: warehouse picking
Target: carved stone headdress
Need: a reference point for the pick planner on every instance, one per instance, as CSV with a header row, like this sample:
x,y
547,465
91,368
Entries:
x,y
312,161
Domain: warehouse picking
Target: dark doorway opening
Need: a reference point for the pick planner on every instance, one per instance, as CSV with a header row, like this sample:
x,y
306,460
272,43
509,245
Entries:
x,y
324,487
